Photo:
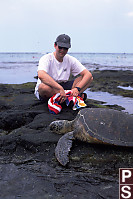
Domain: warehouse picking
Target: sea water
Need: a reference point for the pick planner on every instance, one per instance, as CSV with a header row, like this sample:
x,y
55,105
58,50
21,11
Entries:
x,y
17,68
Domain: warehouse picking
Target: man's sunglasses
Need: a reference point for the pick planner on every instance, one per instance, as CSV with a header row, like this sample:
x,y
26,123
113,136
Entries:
x,y
62,48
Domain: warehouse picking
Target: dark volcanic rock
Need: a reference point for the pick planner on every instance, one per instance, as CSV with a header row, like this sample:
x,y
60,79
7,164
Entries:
x,y
108,80
28,167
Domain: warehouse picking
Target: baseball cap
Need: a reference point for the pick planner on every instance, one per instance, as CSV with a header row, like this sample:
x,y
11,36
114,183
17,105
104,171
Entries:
x,y
63,41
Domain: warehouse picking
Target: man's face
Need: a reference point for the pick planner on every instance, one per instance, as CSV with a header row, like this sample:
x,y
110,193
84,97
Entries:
x,y
60,51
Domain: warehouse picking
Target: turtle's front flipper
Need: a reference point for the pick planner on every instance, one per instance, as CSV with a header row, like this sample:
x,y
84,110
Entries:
x,y
63,147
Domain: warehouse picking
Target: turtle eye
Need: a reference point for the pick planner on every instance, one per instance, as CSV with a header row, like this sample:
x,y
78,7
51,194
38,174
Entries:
x,y
53,126
58,127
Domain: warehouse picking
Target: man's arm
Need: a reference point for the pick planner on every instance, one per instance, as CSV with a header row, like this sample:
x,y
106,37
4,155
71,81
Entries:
x,y
83,83
86,76
48,80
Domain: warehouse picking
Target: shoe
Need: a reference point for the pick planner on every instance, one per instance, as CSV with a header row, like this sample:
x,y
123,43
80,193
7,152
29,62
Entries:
x,y
83,96
71,104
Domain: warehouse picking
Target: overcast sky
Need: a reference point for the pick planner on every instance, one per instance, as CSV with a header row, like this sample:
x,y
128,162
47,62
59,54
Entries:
x,y
93,25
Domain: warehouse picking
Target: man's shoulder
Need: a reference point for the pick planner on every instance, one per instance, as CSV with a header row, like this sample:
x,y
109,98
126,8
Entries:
x,y
69,57
47,56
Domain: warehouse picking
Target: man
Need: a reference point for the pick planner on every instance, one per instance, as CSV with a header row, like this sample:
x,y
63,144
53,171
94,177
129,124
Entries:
x,y
54,71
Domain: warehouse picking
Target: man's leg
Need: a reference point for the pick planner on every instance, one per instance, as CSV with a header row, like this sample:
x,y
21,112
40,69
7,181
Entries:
x,y
45,91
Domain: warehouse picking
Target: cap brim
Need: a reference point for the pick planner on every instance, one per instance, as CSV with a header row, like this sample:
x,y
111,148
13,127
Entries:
x,y
64,45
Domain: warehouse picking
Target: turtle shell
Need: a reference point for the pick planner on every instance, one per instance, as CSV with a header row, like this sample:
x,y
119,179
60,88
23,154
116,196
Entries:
x,y
106,126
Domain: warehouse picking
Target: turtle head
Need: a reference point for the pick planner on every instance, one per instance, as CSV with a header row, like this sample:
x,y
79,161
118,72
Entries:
x,y
59,126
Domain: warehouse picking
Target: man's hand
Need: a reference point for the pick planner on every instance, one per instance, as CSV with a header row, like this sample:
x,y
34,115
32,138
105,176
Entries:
x,y
75,92
62,96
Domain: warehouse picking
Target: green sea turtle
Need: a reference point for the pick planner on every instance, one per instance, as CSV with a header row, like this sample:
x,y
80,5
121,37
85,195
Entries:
x,y
93,125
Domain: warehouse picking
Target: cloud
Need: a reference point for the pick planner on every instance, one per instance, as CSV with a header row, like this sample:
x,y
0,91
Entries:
x,y
29,22
130,14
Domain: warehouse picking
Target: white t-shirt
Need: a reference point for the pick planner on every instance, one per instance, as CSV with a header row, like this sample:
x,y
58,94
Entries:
x,y
59,71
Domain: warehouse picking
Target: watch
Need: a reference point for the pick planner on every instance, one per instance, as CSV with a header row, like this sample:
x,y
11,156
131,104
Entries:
x,y
79,89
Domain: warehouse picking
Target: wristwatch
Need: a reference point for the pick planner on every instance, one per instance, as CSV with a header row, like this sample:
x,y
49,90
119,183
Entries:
x,y
79,89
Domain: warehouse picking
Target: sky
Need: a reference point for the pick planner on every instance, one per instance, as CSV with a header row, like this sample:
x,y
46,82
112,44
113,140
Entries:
x,y
104,26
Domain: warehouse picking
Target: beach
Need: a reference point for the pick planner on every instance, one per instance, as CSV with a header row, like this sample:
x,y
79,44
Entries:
x,y
28,167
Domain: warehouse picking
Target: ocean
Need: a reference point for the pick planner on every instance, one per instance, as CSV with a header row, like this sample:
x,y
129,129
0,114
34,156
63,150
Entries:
x,y
17,68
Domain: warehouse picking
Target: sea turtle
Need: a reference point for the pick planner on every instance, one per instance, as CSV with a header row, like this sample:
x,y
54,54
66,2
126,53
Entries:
x,y
93,125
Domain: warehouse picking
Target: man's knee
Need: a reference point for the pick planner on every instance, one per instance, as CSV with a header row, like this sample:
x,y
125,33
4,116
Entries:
x,y
45,90
43,87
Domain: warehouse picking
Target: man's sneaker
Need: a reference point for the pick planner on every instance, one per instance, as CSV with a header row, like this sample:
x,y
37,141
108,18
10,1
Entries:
x,y
71,104
83,96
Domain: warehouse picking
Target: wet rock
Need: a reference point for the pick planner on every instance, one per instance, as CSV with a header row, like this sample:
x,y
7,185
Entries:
x,y
108,80
28,167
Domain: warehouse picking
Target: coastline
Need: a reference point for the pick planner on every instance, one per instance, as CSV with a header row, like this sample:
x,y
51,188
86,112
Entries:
x,y
111,87
110,84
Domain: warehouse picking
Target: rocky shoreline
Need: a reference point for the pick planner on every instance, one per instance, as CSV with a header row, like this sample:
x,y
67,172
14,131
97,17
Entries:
x,y
28,168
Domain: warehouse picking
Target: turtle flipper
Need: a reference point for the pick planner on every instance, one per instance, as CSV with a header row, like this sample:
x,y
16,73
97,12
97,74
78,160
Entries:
x,y
63,147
